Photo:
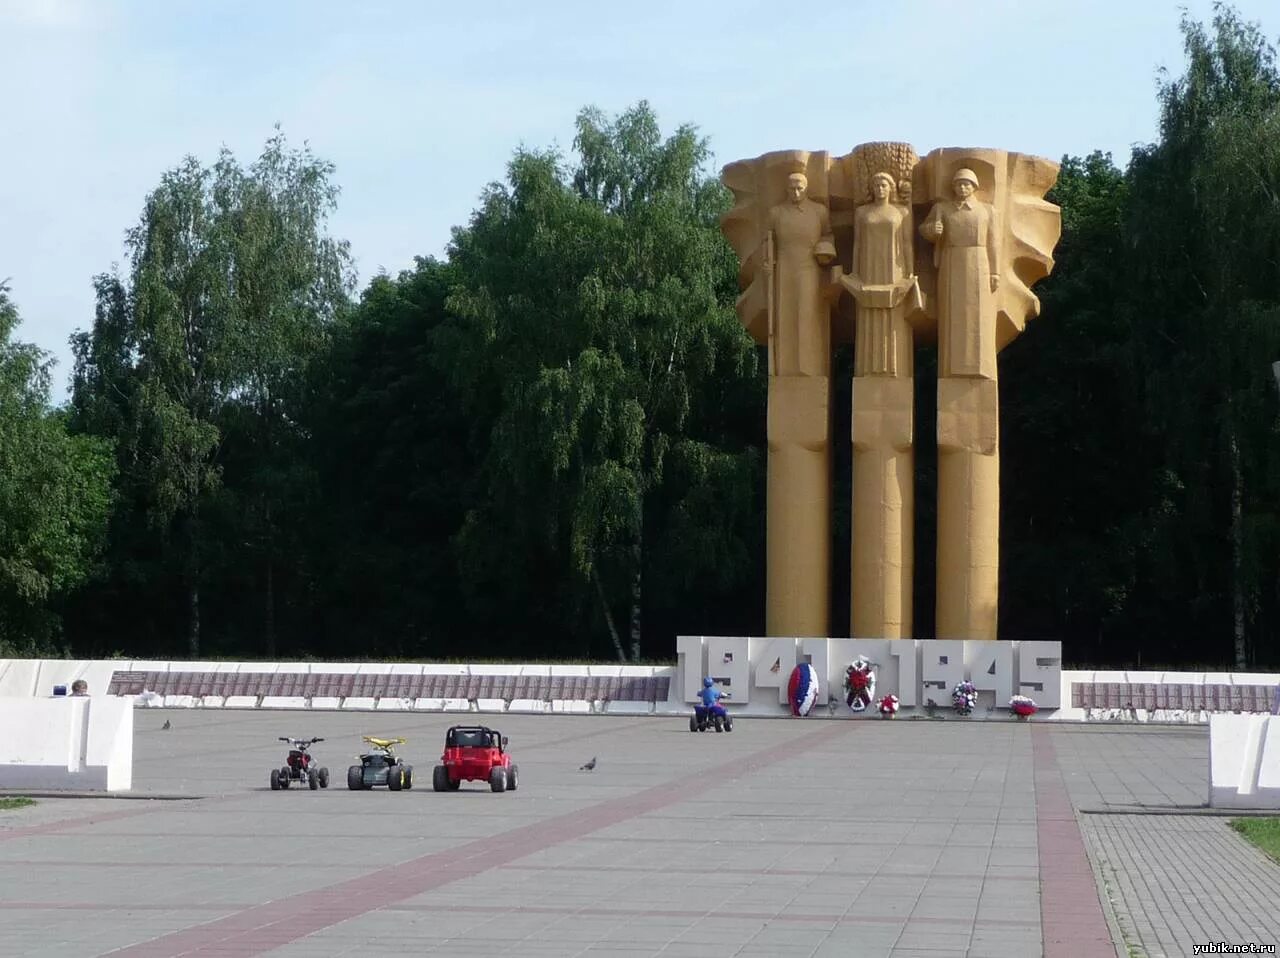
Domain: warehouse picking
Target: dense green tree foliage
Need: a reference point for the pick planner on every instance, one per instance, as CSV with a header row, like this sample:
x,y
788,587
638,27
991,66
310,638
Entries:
x,y
550,441
197,365
55,496
1140,412
592,319
550,444
1075,463
1204,228
390,448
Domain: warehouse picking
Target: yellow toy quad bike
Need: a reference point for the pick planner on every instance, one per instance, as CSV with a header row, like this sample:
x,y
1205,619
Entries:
x,y
381,766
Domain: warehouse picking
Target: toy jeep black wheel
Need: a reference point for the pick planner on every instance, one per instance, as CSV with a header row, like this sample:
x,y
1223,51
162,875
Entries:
x,y
719,724
498,779
313,780
408,777
324,778
513,778
355,778
275,780
440,778
395,778
693,723
728,723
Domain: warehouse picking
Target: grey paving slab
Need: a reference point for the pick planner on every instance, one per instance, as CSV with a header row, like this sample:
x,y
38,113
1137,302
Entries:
x,y
812,838
1178,881
1172,878
1130,767
766,866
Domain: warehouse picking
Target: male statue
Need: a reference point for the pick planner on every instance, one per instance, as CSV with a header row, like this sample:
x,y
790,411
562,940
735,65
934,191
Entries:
x,y
798,249
799,324
963,232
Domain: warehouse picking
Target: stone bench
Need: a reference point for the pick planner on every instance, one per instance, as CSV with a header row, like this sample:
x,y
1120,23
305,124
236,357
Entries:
x,y
309,685
1171,697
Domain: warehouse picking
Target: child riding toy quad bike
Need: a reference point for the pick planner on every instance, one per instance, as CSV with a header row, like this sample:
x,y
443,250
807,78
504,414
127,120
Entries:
x,y
475,753
299,767
380,767
709,713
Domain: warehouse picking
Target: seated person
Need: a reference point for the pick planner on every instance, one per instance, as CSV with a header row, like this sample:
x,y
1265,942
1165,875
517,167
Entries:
x,y
711,697
80,687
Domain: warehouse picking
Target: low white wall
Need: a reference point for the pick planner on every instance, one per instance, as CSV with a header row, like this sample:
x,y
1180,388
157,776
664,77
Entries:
x,y
754,669
1136,677
1244,761
67,743
28,678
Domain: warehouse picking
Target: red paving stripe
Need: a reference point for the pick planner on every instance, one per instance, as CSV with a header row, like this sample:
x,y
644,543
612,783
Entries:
x,y
1071,914
260,929
151,865
68,824
99,906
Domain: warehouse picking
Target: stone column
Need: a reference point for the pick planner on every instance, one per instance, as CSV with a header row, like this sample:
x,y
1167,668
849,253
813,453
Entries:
x,y
883,549
883,285
965,234
798,523
968,508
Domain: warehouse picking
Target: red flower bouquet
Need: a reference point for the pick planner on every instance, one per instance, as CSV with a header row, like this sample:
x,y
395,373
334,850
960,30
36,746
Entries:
x,y
1022,706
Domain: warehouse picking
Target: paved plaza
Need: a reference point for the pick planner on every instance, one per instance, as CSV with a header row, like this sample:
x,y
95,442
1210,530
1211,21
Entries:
x,y
808,838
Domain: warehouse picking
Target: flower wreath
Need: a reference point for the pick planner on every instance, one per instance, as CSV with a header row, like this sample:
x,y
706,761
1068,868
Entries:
x,y
888,706
859,684
802,689
1023,706
964,697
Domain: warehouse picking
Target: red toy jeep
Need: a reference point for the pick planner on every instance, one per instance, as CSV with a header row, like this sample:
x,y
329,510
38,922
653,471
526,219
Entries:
x,y
475,753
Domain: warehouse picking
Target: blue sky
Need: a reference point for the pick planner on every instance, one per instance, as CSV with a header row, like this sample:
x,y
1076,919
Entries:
x,y
420,104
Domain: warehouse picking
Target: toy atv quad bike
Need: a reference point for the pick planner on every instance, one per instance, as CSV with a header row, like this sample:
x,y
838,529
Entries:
x,y
474,753
299,766
711,717
380,767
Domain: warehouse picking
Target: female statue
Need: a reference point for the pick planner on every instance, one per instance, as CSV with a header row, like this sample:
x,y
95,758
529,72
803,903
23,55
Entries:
x,y
882,273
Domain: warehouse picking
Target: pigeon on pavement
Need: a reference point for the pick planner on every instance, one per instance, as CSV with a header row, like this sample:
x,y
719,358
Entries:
x,y
166,726
589,766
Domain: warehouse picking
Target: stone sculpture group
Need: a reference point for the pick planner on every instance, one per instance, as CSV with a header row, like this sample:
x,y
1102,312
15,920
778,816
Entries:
x,y
947,246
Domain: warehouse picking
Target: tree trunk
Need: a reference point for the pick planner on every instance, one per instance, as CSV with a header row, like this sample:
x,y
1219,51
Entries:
x,y
269,608
1237,551
193,590
608,617
269,613
635,602
193,618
